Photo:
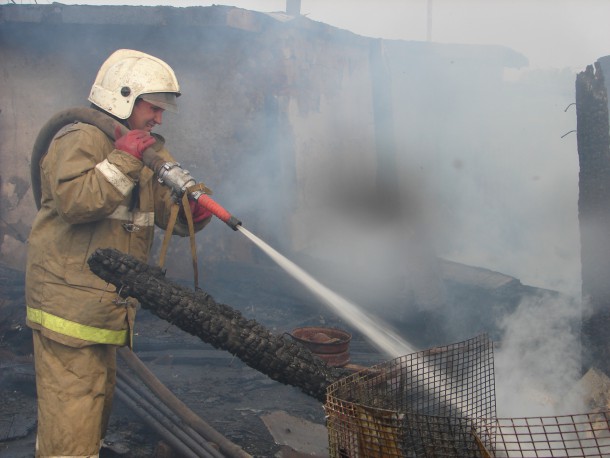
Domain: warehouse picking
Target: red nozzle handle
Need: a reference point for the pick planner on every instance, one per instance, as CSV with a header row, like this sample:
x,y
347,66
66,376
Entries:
x,y
217,210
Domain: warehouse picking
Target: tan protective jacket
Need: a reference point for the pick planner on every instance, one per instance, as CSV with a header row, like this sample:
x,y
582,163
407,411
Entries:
x,y
93,196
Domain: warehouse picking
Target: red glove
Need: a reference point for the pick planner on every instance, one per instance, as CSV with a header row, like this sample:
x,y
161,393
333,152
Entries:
x,y
199,212
133,142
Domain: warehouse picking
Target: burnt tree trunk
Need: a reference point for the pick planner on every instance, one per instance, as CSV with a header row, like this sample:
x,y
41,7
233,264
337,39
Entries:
x,y
197,313
593,137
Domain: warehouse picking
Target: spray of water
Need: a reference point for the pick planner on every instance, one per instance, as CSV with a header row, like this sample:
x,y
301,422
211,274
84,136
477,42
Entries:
x,y
376,331
378,334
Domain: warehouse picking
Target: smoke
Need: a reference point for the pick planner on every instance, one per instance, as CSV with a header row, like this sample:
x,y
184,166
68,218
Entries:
x,y
501,183
537,364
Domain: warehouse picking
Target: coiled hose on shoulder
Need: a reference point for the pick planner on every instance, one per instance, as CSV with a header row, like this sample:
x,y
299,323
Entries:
x,y
78,114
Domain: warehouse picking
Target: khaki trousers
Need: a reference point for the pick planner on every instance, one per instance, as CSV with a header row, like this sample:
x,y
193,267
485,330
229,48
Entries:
x,y
74,389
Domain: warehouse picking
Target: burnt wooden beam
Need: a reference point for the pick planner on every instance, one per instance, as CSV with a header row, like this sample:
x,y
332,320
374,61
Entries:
x,y
593,138
197,313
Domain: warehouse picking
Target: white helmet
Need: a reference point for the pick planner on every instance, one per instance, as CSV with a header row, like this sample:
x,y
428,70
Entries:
x,y
127,75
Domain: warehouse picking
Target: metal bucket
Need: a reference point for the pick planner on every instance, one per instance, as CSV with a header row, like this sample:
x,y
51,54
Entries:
x,y
329,344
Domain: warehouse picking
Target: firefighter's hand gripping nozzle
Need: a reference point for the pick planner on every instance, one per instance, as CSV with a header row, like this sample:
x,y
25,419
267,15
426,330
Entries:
x,y
179,180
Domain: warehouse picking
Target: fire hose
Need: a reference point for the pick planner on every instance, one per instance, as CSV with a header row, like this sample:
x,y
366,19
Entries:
x,y
179,414
171,174
180,181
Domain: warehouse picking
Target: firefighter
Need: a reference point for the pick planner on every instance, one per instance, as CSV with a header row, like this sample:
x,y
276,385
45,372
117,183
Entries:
x,y
96,193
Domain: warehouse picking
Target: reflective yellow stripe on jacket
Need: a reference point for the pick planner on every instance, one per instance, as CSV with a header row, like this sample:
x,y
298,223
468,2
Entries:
x,y
73,329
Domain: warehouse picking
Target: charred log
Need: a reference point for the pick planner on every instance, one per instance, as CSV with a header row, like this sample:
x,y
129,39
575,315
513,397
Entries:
x,y
197,313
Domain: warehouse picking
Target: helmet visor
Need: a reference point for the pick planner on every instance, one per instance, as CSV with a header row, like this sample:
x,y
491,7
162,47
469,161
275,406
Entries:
x,y
165,100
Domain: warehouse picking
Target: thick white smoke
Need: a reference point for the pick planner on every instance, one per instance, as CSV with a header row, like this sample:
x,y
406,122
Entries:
x,y
538,360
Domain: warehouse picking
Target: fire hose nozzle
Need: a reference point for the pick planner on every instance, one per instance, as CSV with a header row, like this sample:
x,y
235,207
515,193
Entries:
x,y
180,181
233,223
217,210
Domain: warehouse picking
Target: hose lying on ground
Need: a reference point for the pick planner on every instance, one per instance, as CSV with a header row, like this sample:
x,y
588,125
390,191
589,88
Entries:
x,y
179,436
176,406
169,431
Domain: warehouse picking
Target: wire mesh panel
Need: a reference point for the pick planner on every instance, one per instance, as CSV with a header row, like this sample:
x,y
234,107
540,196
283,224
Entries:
x,y
441,403
572,436
421,404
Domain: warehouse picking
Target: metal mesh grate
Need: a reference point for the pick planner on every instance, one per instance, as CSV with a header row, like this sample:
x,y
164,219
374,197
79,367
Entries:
x,y
583,435
441,403
414,404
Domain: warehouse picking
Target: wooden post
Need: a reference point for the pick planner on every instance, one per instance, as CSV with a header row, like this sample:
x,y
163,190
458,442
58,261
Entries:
x,y
593,137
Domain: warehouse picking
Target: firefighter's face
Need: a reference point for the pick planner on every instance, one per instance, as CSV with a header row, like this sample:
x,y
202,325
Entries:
x,y
145,116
